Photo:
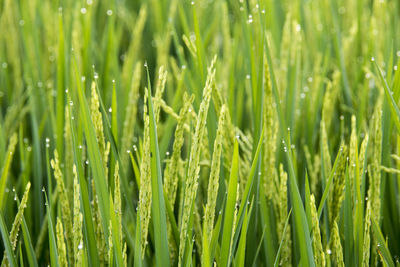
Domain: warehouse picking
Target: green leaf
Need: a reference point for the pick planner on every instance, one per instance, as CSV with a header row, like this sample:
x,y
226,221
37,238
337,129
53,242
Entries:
x,y
394,109
382,248
278,254
328,185
157,204
7,243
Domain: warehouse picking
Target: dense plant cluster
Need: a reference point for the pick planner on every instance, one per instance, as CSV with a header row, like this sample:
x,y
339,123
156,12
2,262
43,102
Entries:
x,y
199,133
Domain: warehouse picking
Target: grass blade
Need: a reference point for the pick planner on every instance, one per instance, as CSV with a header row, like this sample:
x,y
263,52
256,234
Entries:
x,y
158,203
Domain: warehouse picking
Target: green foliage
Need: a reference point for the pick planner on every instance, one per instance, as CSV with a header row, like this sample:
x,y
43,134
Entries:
x,y
270,136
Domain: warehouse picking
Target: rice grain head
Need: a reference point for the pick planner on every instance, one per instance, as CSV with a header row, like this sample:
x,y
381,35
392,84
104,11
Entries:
x,y
78,221
286,258
194,160
375,173
65,205
171,170
213,182
353,156
100,237
160,87
97,119
327,163
270,135
337,246
337,192
145,193
319,255
16,224
69,153
61,250
367,237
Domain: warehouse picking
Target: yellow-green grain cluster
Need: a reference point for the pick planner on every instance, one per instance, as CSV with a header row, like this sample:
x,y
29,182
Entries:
x,y
213,182
337,251
191,183
319,255
65,205
61,249
145,181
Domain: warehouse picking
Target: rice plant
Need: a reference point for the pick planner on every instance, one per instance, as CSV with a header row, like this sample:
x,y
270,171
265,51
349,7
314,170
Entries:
x,y
199,133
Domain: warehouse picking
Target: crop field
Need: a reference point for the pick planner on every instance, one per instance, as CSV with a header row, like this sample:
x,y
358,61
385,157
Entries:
x,y
200,133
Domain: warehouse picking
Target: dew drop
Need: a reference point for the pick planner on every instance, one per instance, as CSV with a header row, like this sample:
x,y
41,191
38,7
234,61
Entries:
x,y
110,110
109,12
329,251
83,10
372,59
